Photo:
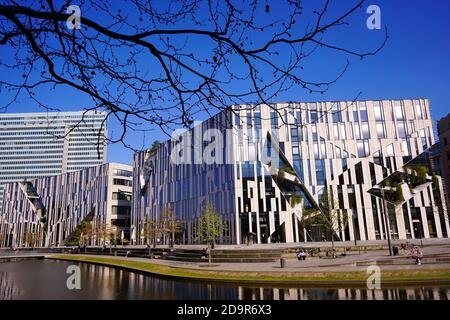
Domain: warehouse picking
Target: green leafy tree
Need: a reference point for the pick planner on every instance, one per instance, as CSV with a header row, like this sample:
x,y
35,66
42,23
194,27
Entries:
x,y
155,145
113,235
82,233
170,225
418,175
209,227
399,194
149,231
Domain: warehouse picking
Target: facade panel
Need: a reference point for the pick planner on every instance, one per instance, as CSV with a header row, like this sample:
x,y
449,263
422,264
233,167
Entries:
x,y
52,208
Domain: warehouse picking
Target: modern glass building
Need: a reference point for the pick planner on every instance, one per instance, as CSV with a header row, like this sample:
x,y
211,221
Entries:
x,y
34,145
443,158
50,211
264,167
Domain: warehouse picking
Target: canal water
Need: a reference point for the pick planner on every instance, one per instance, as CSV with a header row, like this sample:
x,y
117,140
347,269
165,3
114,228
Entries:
x,y
47,279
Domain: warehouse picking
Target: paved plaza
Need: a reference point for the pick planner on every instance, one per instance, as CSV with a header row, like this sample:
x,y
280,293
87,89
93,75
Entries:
x,y
352,261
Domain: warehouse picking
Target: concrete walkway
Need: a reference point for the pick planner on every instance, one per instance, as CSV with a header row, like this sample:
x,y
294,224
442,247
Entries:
x,y
353,261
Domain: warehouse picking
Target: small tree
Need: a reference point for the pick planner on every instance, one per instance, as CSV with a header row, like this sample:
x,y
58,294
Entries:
x,y
112,234
98,231
149,230
154,227
32,238
155,145
170,225
210,227
82,233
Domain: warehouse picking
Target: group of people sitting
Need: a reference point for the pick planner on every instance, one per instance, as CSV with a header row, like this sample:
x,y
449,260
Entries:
x,y
413,250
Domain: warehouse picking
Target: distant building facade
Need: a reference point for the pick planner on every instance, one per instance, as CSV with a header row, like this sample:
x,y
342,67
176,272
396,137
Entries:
x,y
444,141
34,145
276,161
47,211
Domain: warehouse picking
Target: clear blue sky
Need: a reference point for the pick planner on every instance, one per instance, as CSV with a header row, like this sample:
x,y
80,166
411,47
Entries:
x,y
414,63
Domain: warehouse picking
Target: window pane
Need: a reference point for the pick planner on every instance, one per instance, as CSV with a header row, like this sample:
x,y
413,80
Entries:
x,y
402,129
418,110
336,131
377,110
314,132
363,112
338,152
316,150
363,148
320,172
365,131
314,116
398,110
323,150
380,130
336,114
343,135
360,146
406,151
390,150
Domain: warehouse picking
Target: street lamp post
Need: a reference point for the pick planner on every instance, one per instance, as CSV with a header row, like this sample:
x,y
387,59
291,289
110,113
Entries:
x,y
421,232
387,228
386,221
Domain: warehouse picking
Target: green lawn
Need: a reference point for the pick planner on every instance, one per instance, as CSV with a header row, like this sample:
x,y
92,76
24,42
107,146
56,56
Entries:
x,y
288,277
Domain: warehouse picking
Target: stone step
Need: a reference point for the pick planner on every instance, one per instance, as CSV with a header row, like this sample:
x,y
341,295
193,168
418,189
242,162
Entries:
x,y
245,252
404,261
255,255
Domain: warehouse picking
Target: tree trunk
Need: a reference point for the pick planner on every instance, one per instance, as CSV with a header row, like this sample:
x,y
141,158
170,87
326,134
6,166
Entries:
x,y
209,253
173,239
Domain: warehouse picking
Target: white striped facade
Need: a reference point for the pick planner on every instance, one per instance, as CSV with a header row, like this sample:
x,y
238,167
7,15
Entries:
x,y
54,206
347,147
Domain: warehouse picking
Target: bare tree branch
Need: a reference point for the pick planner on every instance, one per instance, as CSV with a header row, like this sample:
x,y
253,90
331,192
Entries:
x,y
159,64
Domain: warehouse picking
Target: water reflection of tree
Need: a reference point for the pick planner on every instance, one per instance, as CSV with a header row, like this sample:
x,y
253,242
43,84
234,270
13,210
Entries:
x,y
8,290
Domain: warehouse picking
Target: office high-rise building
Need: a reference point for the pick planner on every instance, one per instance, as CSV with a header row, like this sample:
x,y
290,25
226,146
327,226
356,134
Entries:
x,y
369,162
34,145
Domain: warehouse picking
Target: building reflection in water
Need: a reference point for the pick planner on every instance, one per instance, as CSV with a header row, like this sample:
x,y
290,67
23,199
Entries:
x,y
113,283
46,279
8,290
421,293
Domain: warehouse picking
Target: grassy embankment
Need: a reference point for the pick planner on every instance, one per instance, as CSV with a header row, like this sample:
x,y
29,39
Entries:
x,y
418,276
